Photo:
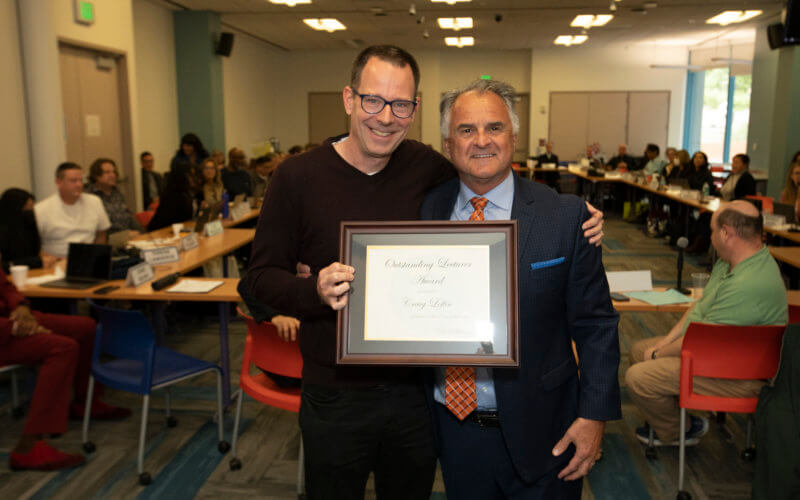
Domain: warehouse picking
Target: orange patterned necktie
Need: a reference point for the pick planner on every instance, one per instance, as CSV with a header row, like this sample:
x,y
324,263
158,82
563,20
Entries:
x,y
460,394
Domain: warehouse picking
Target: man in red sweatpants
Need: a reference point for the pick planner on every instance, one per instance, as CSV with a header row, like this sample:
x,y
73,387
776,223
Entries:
x,y
62,347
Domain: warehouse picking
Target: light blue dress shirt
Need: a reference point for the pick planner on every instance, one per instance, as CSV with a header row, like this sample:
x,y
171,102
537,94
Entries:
x,y
498,208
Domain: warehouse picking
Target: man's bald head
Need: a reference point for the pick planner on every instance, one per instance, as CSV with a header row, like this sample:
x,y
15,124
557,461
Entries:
x,y
743,217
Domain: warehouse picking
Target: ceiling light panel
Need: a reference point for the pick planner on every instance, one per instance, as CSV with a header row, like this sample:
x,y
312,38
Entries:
x,y
450,2
455,23
290,3
733,16
568,40
327,24
459,41
590,21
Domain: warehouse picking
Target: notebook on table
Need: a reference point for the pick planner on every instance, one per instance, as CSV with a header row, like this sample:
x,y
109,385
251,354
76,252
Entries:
x,y
88,265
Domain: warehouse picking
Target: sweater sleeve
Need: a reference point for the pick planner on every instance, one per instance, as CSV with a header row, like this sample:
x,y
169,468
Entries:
x,y
271,278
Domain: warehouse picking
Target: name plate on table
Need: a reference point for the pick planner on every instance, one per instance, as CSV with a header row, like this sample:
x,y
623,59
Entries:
x,y
213,228
240,210
139,274
189,242
161,255
430,293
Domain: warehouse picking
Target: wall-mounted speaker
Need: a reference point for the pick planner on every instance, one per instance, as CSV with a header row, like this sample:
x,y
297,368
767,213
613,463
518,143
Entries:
x,y
775,35
225,44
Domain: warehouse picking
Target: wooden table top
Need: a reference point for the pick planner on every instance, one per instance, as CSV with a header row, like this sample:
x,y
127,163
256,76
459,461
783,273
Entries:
x,y
224,293
789,255
638,305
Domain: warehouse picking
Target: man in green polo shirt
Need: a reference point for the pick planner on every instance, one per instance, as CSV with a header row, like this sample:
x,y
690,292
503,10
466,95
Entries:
x,y
745,288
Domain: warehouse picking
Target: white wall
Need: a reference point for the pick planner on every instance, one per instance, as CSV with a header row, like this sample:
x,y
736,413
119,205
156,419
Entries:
x,y
252,87
611,68
16,168
154,43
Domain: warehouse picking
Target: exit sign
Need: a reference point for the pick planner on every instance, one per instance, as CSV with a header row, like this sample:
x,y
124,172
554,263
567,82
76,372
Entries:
x,y
486,77
84,12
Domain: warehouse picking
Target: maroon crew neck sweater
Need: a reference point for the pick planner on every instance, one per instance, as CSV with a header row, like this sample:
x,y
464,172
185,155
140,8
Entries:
x,y
308,196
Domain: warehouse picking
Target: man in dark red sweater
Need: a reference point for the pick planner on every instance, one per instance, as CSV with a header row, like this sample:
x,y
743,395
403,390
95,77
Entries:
x,y
354,420
62,347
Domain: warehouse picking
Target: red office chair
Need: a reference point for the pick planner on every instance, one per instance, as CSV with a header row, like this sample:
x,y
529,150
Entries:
x,y
794,313
729,352
766,202
267,351
144,217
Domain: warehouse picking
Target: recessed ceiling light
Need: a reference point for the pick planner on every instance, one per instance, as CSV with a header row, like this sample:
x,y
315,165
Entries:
x,y
455,23
328,24
459,41
568,40
290,3
733,16
590,21
450,2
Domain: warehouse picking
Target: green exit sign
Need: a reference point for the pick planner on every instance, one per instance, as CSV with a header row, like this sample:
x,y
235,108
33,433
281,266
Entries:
x,y
486,77
84,12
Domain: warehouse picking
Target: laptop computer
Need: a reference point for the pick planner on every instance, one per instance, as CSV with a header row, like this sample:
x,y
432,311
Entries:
x,y
88,265
207,214
785,209
682,183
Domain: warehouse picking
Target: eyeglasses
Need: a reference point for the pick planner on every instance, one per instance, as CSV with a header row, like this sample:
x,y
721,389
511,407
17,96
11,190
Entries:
x,y
374,104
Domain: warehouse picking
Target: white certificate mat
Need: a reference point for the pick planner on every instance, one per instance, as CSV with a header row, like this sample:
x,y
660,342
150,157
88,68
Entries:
x,y
427,293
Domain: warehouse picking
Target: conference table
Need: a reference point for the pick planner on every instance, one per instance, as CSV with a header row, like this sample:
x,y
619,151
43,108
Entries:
x,y
208,248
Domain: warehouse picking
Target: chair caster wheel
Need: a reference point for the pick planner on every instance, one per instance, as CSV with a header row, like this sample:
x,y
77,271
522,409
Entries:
x,y
235,464
18,412
172,421
145,479
89,447
682,495
650,453
749,454
223,446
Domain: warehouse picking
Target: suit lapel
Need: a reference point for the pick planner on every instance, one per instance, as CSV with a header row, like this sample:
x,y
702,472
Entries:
x,y
523,210
443,207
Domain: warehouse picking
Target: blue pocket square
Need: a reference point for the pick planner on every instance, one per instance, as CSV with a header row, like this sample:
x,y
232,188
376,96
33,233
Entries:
x,y
547,263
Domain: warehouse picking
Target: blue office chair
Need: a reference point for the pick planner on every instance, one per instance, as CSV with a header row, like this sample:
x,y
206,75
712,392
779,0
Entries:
x,y
140,366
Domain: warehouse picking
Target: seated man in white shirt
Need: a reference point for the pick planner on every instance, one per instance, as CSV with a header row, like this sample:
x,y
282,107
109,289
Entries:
x,y
70,215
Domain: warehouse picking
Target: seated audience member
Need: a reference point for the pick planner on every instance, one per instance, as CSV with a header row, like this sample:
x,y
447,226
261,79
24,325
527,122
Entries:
x,y
62,347
295,150
235,176
592,154
652,163
152,181
260,176
219,158
672,155
552,179
211,188
19,236
745,288
700,174
681,168
622,160
70,215
191,153
790,191
103,184
740,182
177,200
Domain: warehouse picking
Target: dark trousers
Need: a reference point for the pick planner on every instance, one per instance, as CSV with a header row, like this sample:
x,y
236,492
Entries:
x,y
476,465
64,358
348,433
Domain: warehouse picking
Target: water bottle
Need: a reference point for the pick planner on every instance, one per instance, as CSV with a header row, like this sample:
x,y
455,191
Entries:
x,y
705,189
225,199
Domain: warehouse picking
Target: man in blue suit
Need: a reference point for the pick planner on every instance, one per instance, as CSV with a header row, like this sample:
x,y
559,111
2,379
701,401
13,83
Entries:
x,y
531,432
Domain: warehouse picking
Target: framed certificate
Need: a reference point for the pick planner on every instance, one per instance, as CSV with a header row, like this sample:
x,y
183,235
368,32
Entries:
x,y
430,293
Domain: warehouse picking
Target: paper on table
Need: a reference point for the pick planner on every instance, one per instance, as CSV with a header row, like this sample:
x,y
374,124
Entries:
x,y
629,281
661,298
57,274
194,286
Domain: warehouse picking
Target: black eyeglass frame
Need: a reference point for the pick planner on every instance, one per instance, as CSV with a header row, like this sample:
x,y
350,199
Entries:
x,y
385,103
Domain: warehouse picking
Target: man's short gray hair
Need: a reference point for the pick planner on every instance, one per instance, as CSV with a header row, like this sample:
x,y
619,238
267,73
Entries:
x,y
503,90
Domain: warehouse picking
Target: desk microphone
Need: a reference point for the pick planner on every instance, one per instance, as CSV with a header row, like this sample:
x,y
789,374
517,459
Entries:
x,y
683,242
170,279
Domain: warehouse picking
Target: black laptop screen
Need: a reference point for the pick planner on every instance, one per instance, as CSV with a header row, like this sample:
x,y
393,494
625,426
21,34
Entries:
x,y
89,261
